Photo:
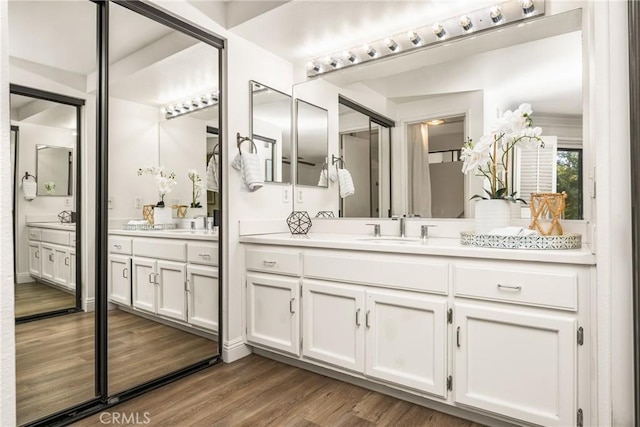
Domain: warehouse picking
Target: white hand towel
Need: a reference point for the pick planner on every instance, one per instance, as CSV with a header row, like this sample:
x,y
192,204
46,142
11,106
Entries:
x,y
346,183
29,188
252,171
236,163
512,231
323,182
333,176
212,174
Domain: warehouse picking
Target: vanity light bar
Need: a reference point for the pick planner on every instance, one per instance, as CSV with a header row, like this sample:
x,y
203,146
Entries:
x,y
197,103
465,25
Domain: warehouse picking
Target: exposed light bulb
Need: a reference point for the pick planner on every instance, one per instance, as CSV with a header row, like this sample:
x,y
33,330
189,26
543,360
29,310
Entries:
x,y
527,6
391,44
465,23
369,50
195,103
414,38
313,66
496,14
435,122
331,61
350,56
186,106
204,100
439,30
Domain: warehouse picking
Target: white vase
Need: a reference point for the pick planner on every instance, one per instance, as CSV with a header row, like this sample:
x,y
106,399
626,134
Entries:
x,y
492,214
162,216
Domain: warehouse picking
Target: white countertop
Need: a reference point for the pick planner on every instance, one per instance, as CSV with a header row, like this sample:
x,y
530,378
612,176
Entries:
x,y
434,246
53,225
167,234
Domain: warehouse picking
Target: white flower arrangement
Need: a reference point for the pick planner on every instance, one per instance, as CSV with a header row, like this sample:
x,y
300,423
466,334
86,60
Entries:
x,y
164,181
197,186
514,128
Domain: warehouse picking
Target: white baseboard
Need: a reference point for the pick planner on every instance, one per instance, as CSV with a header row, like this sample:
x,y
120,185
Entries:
x,y
89,305
235,350
24,278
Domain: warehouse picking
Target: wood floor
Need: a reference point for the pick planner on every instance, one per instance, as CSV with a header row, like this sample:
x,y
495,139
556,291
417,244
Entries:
x,y
55,358
255,391
32,298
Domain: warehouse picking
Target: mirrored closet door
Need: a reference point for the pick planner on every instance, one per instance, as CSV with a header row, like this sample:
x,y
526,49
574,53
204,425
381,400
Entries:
x,y
163,207
51,100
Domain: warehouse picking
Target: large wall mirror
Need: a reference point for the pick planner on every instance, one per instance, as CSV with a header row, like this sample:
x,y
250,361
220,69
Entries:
x,y
52,118
271,131
443,95
312,127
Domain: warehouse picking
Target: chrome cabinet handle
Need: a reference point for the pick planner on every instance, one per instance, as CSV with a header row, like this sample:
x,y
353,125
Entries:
x,y
291,310
205,256
458,336
187,286
269,263
151,278
358,317
66,261
51,257
125,273
117,246
366,319
513,288
157,279
38,254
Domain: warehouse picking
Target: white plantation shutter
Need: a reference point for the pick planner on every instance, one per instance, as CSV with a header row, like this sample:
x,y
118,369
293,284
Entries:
x,y
536,169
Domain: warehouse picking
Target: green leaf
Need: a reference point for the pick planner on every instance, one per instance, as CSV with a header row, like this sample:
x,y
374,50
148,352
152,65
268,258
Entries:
x,y
477,196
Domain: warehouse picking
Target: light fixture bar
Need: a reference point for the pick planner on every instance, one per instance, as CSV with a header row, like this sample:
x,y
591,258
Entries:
x,y
191,105
464,25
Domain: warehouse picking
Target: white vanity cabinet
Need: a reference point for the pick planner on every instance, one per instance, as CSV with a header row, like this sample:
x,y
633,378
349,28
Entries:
x,y
52,256
273,300
518,359
174,279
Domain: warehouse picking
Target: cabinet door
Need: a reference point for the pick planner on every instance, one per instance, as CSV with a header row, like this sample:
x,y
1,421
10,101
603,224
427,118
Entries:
x,y
172,295
119,279
273,312
202,295
144,284
48,262
35,259
333,323
516,363
406,340
62,267
72,277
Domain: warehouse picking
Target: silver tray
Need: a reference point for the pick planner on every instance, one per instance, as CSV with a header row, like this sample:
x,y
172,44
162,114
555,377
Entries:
x,y
566,241
145,227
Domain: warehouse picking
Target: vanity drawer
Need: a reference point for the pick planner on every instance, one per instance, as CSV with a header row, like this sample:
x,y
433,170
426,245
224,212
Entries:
x,y
198,253
120,245
35,234
161,249
532,286
56,237
279,261
403,272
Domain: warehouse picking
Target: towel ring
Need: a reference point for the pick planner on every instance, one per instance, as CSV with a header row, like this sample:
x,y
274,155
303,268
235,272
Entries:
x,y
242,139
27,175
335,159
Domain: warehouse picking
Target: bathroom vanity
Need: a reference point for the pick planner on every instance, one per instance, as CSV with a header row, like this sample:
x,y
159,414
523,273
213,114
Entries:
x,y
505,333
52,254
170,275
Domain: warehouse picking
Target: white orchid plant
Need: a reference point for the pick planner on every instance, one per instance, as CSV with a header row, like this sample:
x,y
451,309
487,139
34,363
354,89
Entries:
x,y
165,181
514,128
197,185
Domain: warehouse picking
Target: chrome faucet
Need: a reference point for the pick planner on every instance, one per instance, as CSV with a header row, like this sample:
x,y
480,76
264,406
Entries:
x,y
376,230
403,224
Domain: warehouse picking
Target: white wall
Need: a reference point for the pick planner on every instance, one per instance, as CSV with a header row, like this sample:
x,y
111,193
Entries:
x,y
7,322
47,207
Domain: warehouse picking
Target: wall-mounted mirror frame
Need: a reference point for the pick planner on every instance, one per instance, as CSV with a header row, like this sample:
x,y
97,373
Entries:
x,y
270,128
54,169
312,144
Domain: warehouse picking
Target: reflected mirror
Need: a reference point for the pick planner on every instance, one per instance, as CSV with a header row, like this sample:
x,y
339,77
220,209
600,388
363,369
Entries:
x,y
54,169
271,131
468,83
311,144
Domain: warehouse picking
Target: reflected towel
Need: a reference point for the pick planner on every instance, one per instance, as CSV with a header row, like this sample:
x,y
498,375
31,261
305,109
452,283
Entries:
x,y
212,174
236,163
252,171
346,183
323,181
29,189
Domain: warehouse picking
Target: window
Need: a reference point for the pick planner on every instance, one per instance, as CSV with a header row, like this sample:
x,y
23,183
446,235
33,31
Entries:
x,y
569,179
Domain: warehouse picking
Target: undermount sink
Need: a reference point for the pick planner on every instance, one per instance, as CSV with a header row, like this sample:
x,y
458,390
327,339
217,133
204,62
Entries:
x,y
391,239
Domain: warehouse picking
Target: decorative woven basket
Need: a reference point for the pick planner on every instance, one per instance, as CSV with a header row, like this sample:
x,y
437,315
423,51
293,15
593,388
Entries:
x,y
546,211
147,213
